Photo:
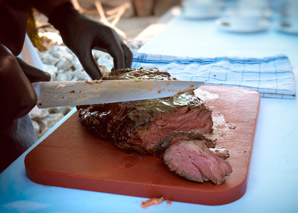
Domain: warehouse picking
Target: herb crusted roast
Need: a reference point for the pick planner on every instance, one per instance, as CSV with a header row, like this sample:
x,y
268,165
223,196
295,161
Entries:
x,y
173,126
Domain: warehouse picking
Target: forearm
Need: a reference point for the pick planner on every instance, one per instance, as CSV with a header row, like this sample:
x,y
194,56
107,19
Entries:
x,y
15,89
47,6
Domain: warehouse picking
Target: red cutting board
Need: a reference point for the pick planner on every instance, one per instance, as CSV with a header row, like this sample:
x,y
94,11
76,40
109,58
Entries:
x,y
71,157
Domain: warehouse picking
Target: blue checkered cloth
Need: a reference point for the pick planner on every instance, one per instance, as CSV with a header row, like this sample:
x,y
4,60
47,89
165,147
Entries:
x,y
272,77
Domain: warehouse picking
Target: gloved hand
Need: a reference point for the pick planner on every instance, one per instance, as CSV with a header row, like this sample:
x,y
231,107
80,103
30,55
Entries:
x,y
82,35
32,73
16,92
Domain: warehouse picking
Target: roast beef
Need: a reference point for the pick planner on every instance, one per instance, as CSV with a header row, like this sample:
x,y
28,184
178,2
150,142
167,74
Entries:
x,y
156,125
142,125
193,160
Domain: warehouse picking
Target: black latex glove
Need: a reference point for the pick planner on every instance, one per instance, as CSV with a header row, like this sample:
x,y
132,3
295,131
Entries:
x,y
32,73
82,35
16,92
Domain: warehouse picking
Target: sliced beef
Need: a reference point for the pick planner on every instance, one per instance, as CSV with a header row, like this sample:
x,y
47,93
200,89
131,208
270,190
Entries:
x,y
171,126
142,125
193,160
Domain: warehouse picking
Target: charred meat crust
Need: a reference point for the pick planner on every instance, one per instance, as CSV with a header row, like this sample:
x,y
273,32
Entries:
x,y
139,74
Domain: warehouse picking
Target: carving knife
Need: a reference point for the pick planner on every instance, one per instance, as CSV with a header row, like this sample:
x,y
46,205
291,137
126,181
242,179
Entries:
x,y
73,93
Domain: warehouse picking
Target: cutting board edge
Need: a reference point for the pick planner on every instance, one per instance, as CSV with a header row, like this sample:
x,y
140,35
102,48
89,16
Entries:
x,y
212,198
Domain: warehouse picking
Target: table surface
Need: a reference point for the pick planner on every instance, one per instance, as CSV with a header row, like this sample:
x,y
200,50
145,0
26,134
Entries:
x,y
273,178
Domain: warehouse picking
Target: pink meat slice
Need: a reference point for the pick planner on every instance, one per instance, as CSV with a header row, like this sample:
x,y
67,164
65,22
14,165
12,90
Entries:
x,y
193,160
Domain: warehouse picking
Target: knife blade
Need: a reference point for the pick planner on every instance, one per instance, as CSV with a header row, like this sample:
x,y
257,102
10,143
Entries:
x,y
73,93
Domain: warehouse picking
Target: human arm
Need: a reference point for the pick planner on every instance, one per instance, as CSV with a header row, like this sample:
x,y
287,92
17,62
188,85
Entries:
x,y
16,92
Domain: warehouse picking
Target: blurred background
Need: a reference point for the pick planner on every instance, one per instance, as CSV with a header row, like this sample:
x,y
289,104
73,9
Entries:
x,y
130,17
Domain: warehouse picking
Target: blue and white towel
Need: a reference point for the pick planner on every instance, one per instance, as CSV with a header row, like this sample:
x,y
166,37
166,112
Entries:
x,y
272,77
